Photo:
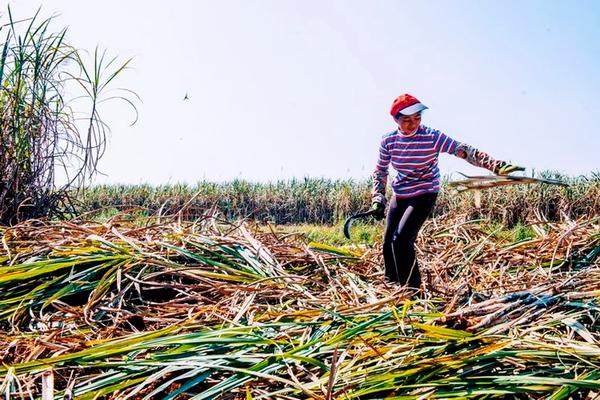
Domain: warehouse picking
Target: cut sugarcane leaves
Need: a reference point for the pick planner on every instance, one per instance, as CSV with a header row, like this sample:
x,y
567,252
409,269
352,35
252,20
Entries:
x,y
185,310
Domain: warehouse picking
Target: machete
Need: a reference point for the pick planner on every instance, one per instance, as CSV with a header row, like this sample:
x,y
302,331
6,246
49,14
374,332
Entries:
x,y
352,218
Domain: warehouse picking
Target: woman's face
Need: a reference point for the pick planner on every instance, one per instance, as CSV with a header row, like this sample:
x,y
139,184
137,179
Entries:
x,y
409,123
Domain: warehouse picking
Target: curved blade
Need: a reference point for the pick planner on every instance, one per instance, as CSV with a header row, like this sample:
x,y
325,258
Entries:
x,y
352,218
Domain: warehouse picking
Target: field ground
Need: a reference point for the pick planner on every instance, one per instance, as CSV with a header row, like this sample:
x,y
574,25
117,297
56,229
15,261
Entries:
x,y
139,307
370,233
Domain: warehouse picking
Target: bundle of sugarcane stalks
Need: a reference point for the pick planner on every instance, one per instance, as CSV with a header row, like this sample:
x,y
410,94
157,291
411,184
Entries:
x,y
148,309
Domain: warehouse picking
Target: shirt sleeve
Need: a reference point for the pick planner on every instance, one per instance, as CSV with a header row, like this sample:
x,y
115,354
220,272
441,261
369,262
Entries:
x,y
478,158
380,174
444,143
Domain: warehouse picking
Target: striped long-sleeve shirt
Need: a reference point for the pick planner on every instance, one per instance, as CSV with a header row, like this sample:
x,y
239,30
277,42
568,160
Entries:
x,y
415,158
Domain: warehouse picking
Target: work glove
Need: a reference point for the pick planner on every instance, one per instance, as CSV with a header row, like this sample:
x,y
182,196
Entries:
x,y
504,168
378,210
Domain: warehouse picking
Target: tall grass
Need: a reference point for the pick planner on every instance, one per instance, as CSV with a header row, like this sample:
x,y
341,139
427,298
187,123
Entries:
x,y
296,200
324,201
42,128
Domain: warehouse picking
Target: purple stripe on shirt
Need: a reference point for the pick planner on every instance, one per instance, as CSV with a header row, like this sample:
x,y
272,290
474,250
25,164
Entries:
x,y
414,158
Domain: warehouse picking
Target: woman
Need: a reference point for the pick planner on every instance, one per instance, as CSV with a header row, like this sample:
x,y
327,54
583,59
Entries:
x,y
413,151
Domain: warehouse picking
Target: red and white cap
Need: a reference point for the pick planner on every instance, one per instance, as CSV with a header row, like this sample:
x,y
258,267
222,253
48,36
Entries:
x,y
406,104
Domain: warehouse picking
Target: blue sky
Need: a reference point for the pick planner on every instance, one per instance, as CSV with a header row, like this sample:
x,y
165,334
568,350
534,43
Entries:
x,y
281,89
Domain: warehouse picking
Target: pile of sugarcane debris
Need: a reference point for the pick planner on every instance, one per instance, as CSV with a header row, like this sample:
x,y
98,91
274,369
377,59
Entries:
x,y
146,309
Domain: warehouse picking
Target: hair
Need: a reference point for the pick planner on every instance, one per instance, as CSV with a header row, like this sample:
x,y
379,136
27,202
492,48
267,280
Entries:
x,y
399,115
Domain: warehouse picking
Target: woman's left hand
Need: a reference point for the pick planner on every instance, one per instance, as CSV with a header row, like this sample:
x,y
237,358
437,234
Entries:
x,y
504,168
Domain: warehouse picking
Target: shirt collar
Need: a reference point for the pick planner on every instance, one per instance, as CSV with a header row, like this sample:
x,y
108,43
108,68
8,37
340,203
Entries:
x,y
401,132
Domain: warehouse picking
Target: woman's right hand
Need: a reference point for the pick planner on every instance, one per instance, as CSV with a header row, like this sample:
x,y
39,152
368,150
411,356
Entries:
x,y
378,210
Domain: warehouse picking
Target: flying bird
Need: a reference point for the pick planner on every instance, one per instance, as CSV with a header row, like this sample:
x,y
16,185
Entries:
x,y
186,97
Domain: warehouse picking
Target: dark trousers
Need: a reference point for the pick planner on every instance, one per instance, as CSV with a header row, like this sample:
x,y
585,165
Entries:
x,y
405,218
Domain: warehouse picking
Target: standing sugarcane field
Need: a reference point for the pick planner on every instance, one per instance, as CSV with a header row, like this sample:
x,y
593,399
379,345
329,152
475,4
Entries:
x,y
299,200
